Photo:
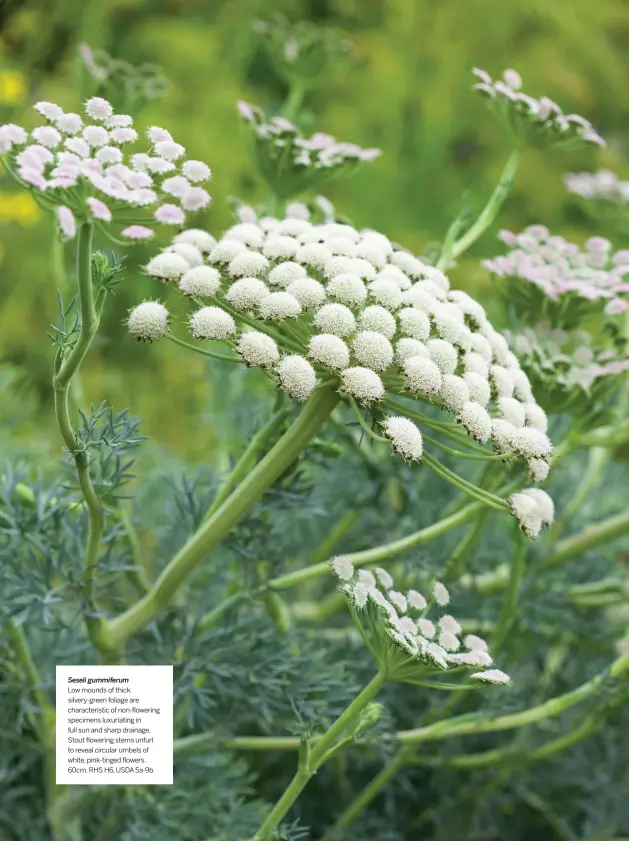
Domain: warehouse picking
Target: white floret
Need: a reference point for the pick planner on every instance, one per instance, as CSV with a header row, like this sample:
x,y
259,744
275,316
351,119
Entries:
x,y
379,320
372,253
414,323
309,292
538,469
297,376
314,254
247,293
279,247
336,319
247,233
372,350
363,384
443,354
167,266
526,511
408,264
292,227
248,264
492,676
406,348
347,289
420,299
277,306
476,422
343,567
188,252
474,363
451,329
511,410
387,293
523,390
502,435
362,269
544,503
499,346
536,417
212,323
405,436
416,600
200,239
390,272
384,578
502,381
341,247
454,393
284,274
258,349
329,350
226,250
469,306
422,375
148,321
200,282
479,388
481,346
531,443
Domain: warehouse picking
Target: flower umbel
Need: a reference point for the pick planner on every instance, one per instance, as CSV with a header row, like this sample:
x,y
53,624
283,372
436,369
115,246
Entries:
x,y
540,122
89,170
408,646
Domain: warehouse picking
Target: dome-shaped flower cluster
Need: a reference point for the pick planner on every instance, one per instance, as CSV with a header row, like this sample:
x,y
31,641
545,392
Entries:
x,y
558,280
540,122
397,626
326,302
291,162
569,371
87,168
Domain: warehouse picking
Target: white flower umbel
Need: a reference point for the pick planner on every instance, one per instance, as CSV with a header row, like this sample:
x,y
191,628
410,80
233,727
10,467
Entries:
x,y
212,323
401,638
149,321
330,304
91,166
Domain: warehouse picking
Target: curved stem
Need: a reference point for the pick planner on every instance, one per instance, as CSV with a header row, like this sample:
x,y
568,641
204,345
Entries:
x,y
464,486
214,354
588,538
215,528
490,211
314,758
509,607
61,383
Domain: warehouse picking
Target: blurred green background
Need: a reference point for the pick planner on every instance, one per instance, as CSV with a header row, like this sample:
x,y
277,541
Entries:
x,y
408,93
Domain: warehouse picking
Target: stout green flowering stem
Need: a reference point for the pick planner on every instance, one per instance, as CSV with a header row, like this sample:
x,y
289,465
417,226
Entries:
x,y
473,724
247,460
490,211
214,354
316,410
61,384
316,756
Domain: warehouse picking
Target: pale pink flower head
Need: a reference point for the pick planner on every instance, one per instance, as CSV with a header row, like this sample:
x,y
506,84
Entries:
x,y
138,232
67,222
99,209
196,198
98,108
48,110
69,123
47,136
170,214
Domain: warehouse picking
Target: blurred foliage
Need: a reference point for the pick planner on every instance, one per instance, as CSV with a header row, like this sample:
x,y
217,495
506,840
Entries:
x,y
406,91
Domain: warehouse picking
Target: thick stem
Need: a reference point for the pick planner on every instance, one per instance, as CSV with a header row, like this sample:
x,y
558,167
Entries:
x,y
317,756
490,211
508,611
216,527
61,383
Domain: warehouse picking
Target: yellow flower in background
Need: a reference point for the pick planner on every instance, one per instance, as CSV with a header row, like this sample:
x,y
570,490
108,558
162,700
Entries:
x,y
13,88
18,207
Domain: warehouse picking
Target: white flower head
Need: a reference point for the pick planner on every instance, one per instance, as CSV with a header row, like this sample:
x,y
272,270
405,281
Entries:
x,y
148,321
474,643
422,375
336,319
414,323
416,600
443,354
544,504
258,349
167,266
277,306
527,513
492,676
398,600
247,293
363,384
372,350
405,437
98,108
199,238
379,320
476,421
343,567
200,282
309,292
330,350
441,594
212,323
297,376
384,578
347,289
454,393
426,628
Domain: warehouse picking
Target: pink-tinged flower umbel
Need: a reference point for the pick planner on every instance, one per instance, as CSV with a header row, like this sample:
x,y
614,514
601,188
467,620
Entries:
x,y
291,162
556,280
539,122
88,169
